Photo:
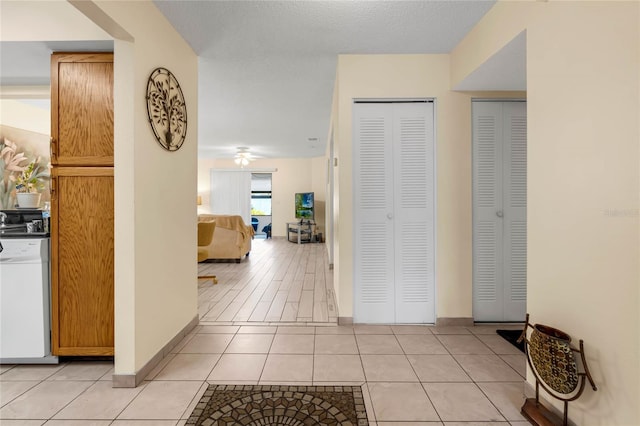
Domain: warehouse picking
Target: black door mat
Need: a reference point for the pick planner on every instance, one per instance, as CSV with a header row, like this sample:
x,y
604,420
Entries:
x,y
512,336
280,405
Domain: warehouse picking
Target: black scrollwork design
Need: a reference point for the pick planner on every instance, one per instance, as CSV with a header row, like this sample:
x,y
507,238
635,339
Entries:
x,y
166,109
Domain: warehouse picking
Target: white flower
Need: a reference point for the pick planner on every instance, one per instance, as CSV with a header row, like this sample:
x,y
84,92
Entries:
x,y
11,159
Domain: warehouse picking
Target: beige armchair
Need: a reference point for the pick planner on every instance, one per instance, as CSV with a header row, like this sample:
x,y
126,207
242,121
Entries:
x,y
232,240
205,236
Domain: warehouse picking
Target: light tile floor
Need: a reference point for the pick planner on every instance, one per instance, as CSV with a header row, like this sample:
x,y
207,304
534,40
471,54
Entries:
x,y
271,320
411,375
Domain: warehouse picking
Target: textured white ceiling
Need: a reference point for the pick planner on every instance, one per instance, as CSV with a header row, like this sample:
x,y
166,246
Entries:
x,y
267,68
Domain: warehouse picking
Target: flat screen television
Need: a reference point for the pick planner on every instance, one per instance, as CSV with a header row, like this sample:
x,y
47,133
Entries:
x,y
304,206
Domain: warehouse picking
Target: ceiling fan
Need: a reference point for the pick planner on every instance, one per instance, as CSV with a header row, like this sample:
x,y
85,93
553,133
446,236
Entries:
x,y
243,157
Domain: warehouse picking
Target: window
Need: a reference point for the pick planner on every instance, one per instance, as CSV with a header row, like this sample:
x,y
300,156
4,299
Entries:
x,y
260,194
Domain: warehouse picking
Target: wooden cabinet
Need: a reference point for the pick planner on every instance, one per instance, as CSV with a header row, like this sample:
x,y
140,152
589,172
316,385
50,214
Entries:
x,y
82,109
82,213
82,261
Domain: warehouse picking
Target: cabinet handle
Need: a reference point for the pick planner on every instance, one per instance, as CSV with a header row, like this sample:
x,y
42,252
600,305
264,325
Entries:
x,y
54,148
54,187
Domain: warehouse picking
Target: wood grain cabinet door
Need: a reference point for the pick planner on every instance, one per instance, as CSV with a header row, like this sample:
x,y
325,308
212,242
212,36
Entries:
x,y
82,270
82,109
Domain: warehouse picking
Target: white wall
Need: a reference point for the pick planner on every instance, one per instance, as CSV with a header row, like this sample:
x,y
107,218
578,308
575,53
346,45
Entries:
x,y
583,91
293,175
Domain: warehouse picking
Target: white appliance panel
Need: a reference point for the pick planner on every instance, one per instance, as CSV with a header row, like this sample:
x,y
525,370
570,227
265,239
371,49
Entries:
x,y
24,298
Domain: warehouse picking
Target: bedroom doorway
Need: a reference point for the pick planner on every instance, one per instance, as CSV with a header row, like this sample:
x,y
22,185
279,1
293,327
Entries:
x,y
261,198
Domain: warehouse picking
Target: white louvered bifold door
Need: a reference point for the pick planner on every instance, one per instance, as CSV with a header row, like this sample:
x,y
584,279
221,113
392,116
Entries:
x,y
373,202
413,212
393,151
515,207
487,200
499,211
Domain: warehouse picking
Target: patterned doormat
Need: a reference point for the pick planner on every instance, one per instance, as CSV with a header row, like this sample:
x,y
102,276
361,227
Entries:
x,y
280,405
512,337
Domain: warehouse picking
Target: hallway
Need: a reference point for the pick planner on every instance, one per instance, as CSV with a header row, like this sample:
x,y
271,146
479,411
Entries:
x,y
280,282
410,375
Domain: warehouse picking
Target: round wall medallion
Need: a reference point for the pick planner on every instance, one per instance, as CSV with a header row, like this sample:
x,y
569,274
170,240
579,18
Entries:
x,y
166,109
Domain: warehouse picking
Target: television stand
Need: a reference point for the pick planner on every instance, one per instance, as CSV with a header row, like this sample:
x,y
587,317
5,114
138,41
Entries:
x,y
301,231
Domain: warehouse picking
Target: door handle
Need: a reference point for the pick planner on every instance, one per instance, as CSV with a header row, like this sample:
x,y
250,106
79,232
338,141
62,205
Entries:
x,y
54,188
53,147
499,213
389,216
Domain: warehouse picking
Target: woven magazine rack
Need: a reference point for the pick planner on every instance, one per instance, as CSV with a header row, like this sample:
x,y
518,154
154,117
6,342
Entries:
x,y
554,364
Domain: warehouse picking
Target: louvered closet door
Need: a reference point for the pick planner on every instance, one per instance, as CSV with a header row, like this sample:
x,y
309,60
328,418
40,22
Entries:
x,y
393,213
499,211
373,209
413,212
515,218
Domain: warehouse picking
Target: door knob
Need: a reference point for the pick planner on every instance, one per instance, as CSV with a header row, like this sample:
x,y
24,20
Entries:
x,y
389,216
499,213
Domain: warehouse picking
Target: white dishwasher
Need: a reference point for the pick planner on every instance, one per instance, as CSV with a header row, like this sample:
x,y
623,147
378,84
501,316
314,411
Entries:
x,y
25,301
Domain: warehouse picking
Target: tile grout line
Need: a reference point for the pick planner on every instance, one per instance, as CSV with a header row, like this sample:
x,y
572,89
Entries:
x,y
418,377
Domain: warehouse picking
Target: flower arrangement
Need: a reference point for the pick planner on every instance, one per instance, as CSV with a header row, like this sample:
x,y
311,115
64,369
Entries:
x,y
31,178
20,172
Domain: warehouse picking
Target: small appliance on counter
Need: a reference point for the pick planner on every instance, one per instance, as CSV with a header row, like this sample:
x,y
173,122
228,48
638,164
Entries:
x,y
24,223
25,291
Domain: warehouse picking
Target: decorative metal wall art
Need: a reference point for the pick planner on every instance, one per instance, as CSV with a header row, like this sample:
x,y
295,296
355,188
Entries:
x,y
554,364
166,109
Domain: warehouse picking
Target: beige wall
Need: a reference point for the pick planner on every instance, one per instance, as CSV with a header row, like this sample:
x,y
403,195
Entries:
x,y
41,21
156,285
319,187
414,76
28,126
23,115
583,92
292,175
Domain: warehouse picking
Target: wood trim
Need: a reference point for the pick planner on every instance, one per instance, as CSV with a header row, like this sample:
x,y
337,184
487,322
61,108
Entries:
x,y
55,294
54,108
85,161
58,57
84,351
82,171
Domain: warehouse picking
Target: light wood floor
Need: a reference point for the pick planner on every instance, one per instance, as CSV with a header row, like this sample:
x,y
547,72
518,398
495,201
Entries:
x,y
280,282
